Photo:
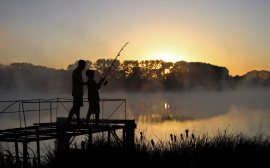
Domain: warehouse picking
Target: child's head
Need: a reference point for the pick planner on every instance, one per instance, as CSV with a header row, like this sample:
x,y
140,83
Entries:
x,y
90,73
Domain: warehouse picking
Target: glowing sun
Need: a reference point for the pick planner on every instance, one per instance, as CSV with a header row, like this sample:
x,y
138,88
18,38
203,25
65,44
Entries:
x,y
167,71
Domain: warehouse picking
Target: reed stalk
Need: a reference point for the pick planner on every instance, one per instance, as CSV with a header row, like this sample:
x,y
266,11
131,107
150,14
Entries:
x,y
222,149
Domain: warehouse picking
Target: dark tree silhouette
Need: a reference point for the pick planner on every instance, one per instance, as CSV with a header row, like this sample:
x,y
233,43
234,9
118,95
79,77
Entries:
x,y
130,75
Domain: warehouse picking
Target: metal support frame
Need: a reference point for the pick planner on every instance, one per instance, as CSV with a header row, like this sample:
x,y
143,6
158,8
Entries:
x,y
39,132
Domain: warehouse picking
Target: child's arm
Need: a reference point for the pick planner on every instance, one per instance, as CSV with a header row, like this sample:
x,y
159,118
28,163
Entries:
x,y
94,90
100,82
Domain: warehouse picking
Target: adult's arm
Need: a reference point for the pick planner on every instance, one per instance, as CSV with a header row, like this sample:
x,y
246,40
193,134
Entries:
x,y
78,82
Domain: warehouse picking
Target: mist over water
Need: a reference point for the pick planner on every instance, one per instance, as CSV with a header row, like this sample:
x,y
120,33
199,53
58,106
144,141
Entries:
x,y
156,108
162,113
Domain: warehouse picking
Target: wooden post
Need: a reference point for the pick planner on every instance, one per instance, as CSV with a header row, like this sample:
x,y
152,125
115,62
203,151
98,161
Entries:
x,y
128,140
132,138
130,134
25,154
109,137
124,137
16,148
90,139
66,138
38,147
62,141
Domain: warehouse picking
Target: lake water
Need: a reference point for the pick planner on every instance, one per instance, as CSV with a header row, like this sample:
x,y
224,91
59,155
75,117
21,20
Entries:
x,y
159,114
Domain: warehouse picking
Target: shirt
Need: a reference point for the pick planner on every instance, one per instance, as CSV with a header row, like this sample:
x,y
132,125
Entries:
x,y
77,89
91,87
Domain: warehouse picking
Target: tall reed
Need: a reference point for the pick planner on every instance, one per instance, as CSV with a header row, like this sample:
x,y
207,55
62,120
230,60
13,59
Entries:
x,y
222,149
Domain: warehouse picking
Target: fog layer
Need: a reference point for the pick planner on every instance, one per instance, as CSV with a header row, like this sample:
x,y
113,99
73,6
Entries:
x,y
156,108
159,114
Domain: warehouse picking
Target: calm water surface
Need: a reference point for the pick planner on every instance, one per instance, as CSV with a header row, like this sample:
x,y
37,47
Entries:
x,y
159,114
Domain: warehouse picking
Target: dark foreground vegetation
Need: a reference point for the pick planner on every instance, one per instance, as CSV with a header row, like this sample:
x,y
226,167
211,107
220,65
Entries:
x,y
220,150
130,76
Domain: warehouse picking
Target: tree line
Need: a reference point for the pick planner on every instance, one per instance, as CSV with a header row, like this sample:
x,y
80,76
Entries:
x,y
129,76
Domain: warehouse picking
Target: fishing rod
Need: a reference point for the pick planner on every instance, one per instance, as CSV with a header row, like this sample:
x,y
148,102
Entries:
x,y
105,83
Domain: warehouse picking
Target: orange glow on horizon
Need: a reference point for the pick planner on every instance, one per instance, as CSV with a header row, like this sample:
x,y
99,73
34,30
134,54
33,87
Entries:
x,y
167,57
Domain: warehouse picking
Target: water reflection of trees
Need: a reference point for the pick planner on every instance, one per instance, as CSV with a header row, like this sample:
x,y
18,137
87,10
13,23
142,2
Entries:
x,y
159,113
130,75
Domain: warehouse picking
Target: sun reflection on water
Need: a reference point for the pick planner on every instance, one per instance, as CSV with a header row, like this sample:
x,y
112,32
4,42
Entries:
x,y
160,124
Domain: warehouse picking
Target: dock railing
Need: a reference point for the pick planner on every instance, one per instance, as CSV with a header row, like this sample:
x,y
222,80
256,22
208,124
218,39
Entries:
x,y
36,132
19,108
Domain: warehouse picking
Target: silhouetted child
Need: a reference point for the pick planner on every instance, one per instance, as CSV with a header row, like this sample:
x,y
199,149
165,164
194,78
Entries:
x,y
93,96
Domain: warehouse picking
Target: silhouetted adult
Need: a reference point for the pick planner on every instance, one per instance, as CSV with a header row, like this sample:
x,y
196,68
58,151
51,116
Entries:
x,y
77,93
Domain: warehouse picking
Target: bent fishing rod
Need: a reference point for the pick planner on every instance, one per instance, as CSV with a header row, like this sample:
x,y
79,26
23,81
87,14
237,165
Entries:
x,y
113,62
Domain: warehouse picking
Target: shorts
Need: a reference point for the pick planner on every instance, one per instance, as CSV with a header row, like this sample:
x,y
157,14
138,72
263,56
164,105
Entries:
x,y
94,107
78,101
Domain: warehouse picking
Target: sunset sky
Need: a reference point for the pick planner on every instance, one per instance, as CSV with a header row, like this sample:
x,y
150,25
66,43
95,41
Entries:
x,y
54,33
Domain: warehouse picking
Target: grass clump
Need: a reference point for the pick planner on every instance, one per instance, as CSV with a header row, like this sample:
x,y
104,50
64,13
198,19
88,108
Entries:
x,y
223,149
6,158
220,150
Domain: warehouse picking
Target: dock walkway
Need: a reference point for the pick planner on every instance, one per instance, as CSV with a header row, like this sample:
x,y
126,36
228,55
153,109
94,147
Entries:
x,y
64,135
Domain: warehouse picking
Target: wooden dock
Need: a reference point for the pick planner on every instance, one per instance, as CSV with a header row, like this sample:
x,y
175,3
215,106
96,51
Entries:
x,y
65,135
